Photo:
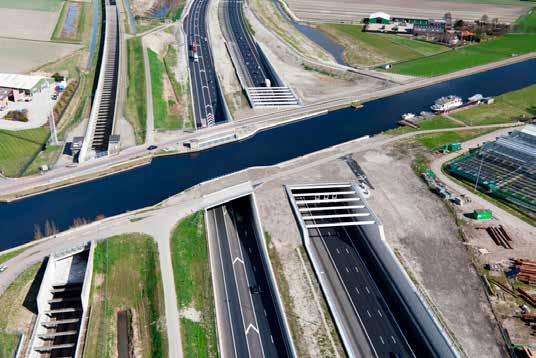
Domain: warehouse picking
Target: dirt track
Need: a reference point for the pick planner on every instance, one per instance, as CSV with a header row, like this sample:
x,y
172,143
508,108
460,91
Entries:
x,y
355,10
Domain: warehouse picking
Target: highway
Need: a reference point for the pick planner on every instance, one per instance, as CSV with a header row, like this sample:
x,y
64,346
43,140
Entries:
x,y
207,99
253,66
352,279
249,322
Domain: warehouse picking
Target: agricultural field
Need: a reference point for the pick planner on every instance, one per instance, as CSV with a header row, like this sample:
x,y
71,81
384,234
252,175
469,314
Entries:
x,y
510,107
71,22
27,24
17,307
470,56
135,111
354,11
37,5
193,282
127,278
19,148
368,49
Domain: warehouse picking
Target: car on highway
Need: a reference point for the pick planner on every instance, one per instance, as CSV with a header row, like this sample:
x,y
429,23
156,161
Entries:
x,y
3,268
255,289
363,188
152,147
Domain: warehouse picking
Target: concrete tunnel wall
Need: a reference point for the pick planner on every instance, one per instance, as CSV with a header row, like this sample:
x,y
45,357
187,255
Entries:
x,y
430,327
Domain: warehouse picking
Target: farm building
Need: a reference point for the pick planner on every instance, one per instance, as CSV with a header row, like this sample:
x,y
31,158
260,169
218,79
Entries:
x,y
4,94
504,168
410,20
20,86
379,18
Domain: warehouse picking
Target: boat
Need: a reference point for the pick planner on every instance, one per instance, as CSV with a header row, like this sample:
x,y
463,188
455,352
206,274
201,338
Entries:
x,y
407,116
447,103
476,98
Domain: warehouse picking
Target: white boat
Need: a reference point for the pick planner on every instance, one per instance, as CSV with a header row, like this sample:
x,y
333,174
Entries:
x,y
407,116
447,103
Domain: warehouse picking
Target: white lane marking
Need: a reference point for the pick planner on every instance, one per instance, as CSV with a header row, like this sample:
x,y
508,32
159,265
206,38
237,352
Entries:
x,y
348,271
357,290
368,312
368,291
356,269
272,338
381,339
394,340
250,327
338,251
380,313
238,259
348,252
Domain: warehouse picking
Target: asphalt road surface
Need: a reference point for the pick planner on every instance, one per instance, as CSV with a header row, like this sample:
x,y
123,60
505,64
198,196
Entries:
x,y
249,323
257,70
207,97
372,311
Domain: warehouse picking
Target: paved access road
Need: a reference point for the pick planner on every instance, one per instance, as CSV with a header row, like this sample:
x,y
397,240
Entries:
x,y
249,323
207,98
254,67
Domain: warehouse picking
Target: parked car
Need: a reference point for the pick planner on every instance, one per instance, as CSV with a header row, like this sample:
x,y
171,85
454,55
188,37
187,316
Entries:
x,y
152,147
54,97
3,268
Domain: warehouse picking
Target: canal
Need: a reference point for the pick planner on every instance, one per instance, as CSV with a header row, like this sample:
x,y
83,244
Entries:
x,y
166,176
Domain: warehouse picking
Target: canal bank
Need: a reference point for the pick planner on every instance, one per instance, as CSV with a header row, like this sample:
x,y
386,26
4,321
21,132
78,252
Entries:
x,y
147,185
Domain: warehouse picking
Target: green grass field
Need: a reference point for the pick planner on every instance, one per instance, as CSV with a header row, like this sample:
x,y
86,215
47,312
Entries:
x,y
191,269
433,141
470,56
177,120
527,23
127,276
14,316
437,122
136,106
19,148
509,107
39,5
365,48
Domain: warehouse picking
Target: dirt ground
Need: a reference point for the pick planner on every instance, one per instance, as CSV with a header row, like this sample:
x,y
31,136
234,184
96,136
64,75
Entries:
x,y
21,56
139,7
420,228
27,24
310,85
355,10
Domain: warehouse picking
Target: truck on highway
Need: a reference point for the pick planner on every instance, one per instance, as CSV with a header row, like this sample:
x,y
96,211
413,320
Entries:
x,y
194,48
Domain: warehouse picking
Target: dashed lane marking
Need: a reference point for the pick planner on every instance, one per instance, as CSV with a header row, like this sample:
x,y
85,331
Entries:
x,y
238,259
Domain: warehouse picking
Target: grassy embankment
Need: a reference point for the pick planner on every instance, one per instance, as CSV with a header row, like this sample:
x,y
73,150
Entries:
x,y
479,54
368,49
182,108
136,106
19,148
193,282
165,111
78,25
16,306
127,276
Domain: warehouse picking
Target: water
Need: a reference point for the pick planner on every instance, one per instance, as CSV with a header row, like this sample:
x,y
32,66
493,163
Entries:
x,y
69,23
169,175
317,36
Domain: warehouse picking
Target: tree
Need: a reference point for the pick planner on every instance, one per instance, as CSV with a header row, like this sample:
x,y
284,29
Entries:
x,y
484,19
459,24
448,19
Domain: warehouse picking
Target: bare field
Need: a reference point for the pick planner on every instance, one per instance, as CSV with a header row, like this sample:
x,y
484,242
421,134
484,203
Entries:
x,y
355,10
21,56
27,24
